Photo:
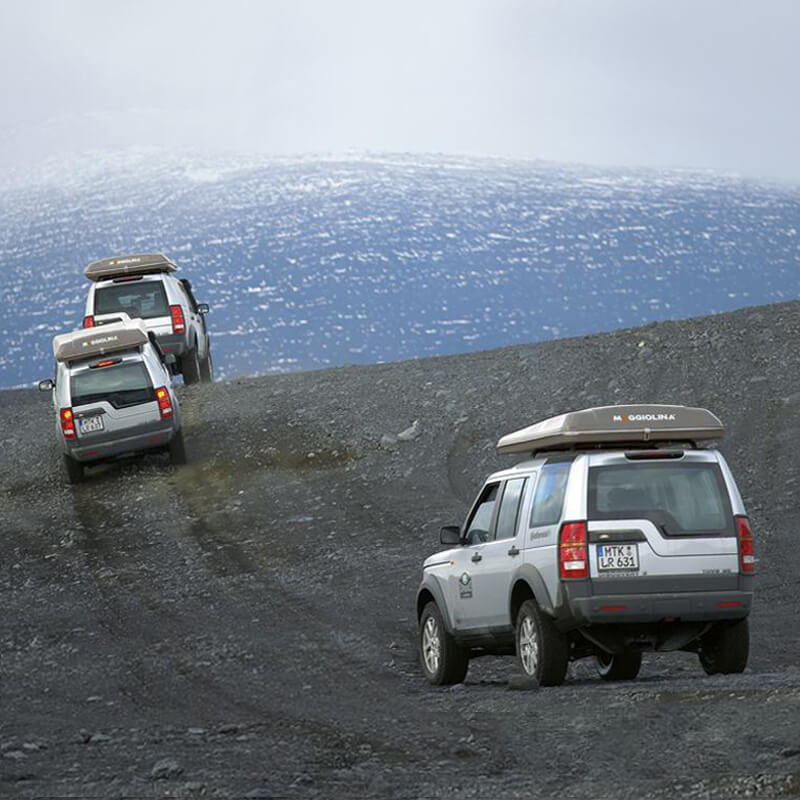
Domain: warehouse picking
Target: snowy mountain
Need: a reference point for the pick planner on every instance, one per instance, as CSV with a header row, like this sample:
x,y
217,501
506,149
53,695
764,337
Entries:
x,y
309,262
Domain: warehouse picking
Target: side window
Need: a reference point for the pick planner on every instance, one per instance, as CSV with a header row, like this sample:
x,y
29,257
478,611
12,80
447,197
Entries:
x,y
187,290
509,508
549,498
478,526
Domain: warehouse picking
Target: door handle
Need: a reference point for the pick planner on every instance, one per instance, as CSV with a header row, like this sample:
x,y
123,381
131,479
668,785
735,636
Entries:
x,y
477,557
514,551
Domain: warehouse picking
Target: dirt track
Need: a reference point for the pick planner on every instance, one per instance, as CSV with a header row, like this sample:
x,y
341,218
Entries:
x,y
250,616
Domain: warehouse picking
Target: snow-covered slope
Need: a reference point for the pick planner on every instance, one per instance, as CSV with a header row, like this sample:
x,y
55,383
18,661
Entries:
x,y
308,262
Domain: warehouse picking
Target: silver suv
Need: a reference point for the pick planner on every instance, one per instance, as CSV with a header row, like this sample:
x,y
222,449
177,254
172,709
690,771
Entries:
x,y
143,287
113,396
620,534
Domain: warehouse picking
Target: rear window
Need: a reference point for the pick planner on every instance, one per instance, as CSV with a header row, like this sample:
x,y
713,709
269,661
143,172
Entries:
x,y
681,499
142,300
122,385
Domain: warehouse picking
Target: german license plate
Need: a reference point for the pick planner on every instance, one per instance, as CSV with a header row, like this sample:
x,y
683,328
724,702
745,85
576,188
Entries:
x,y
90,424
617,557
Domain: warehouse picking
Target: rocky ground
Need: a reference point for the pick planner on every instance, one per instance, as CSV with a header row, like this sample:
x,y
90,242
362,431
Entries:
x,y
244,626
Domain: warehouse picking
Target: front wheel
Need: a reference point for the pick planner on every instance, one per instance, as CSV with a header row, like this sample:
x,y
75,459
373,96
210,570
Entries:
x,y
74,469
190,367
443,661
542,650
725,648
622,666
207,369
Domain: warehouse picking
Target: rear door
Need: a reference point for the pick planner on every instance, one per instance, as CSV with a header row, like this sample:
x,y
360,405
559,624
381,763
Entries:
x,y
113,397
491,576
664,521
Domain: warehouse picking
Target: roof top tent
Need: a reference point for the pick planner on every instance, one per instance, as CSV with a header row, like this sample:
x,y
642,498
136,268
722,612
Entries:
x,y
93,342
119,266
615,425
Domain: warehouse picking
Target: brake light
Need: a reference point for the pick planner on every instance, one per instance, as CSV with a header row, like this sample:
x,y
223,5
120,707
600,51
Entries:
x,y
747,560
107,363
164,403
67,423
88,322
573,552
178,324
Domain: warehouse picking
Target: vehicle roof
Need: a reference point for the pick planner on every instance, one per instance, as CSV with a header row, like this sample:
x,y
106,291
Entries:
x,y
601,457
90,342
612,426
129,265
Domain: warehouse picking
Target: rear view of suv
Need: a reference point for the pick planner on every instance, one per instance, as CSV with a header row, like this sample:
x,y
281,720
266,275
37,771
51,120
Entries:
x,y
113,396
144,287
619,535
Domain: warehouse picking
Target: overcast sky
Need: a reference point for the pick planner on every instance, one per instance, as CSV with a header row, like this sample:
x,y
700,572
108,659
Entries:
x,y
697,83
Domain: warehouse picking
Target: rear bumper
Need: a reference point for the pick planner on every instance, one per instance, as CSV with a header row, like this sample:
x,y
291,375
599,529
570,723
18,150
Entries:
x,y
123,445
171,342
683,606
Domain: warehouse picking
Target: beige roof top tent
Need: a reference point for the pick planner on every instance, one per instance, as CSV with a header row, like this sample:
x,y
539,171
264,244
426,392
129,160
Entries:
x,y
612,425
143,264
93,342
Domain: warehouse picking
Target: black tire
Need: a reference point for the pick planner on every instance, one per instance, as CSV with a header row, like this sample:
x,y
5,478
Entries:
x,y
74,469
444,663
190,367
725,648
535,630
619,666
177,449
207,369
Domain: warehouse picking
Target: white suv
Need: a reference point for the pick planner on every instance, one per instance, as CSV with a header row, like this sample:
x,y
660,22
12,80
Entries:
x,y
619,535
113,396
143,287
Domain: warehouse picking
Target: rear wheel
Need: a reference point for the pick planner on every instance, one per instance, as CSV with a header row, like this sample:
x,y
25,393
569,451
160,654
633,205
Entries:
x,y
542,650
443,661
622,666
177,449
725,648
190,367
74,469
207,369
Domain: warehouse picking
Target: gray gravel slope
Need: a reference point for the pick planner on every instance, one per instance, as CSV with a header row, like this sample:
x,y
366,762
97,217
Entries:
x,y
243,626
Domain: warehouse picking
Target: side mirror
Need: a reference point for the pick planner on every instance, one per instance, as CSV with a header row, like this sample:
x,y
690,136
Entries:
x,y
450,534
47,385
203,308
170,359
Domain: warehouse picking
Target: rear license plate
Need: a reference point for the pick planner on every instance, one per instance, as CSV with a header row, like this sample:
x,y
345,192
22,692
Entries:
x,y
617,557
90,424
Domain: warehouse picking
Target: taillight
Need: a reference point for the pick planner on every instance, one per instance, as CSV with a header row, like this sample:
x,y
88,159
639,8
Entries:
x,y
573,552
88,322
67,423
747,559
178,324
164,403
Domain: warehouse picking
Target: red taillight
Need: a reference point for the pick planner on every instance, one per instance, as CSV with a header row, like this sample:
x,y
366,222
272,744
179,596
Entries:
x,y
164,403
67,423
573,553
178,325
88,322
747,559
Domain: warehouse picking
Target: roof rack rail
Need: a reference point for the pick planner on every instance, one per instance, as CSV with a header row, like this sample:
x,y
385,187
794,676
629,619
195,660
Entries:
x,y
91,342
142,264
613,427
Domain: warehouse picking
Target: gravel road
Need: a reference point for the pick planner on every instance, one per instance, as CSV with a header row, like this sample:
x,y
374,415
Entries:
x,y
243,626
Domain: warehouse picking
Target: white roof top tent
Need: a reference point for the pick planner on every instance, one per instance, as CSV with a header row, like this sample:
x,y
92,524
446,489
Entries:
x,y
93,342
614,425
118,266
